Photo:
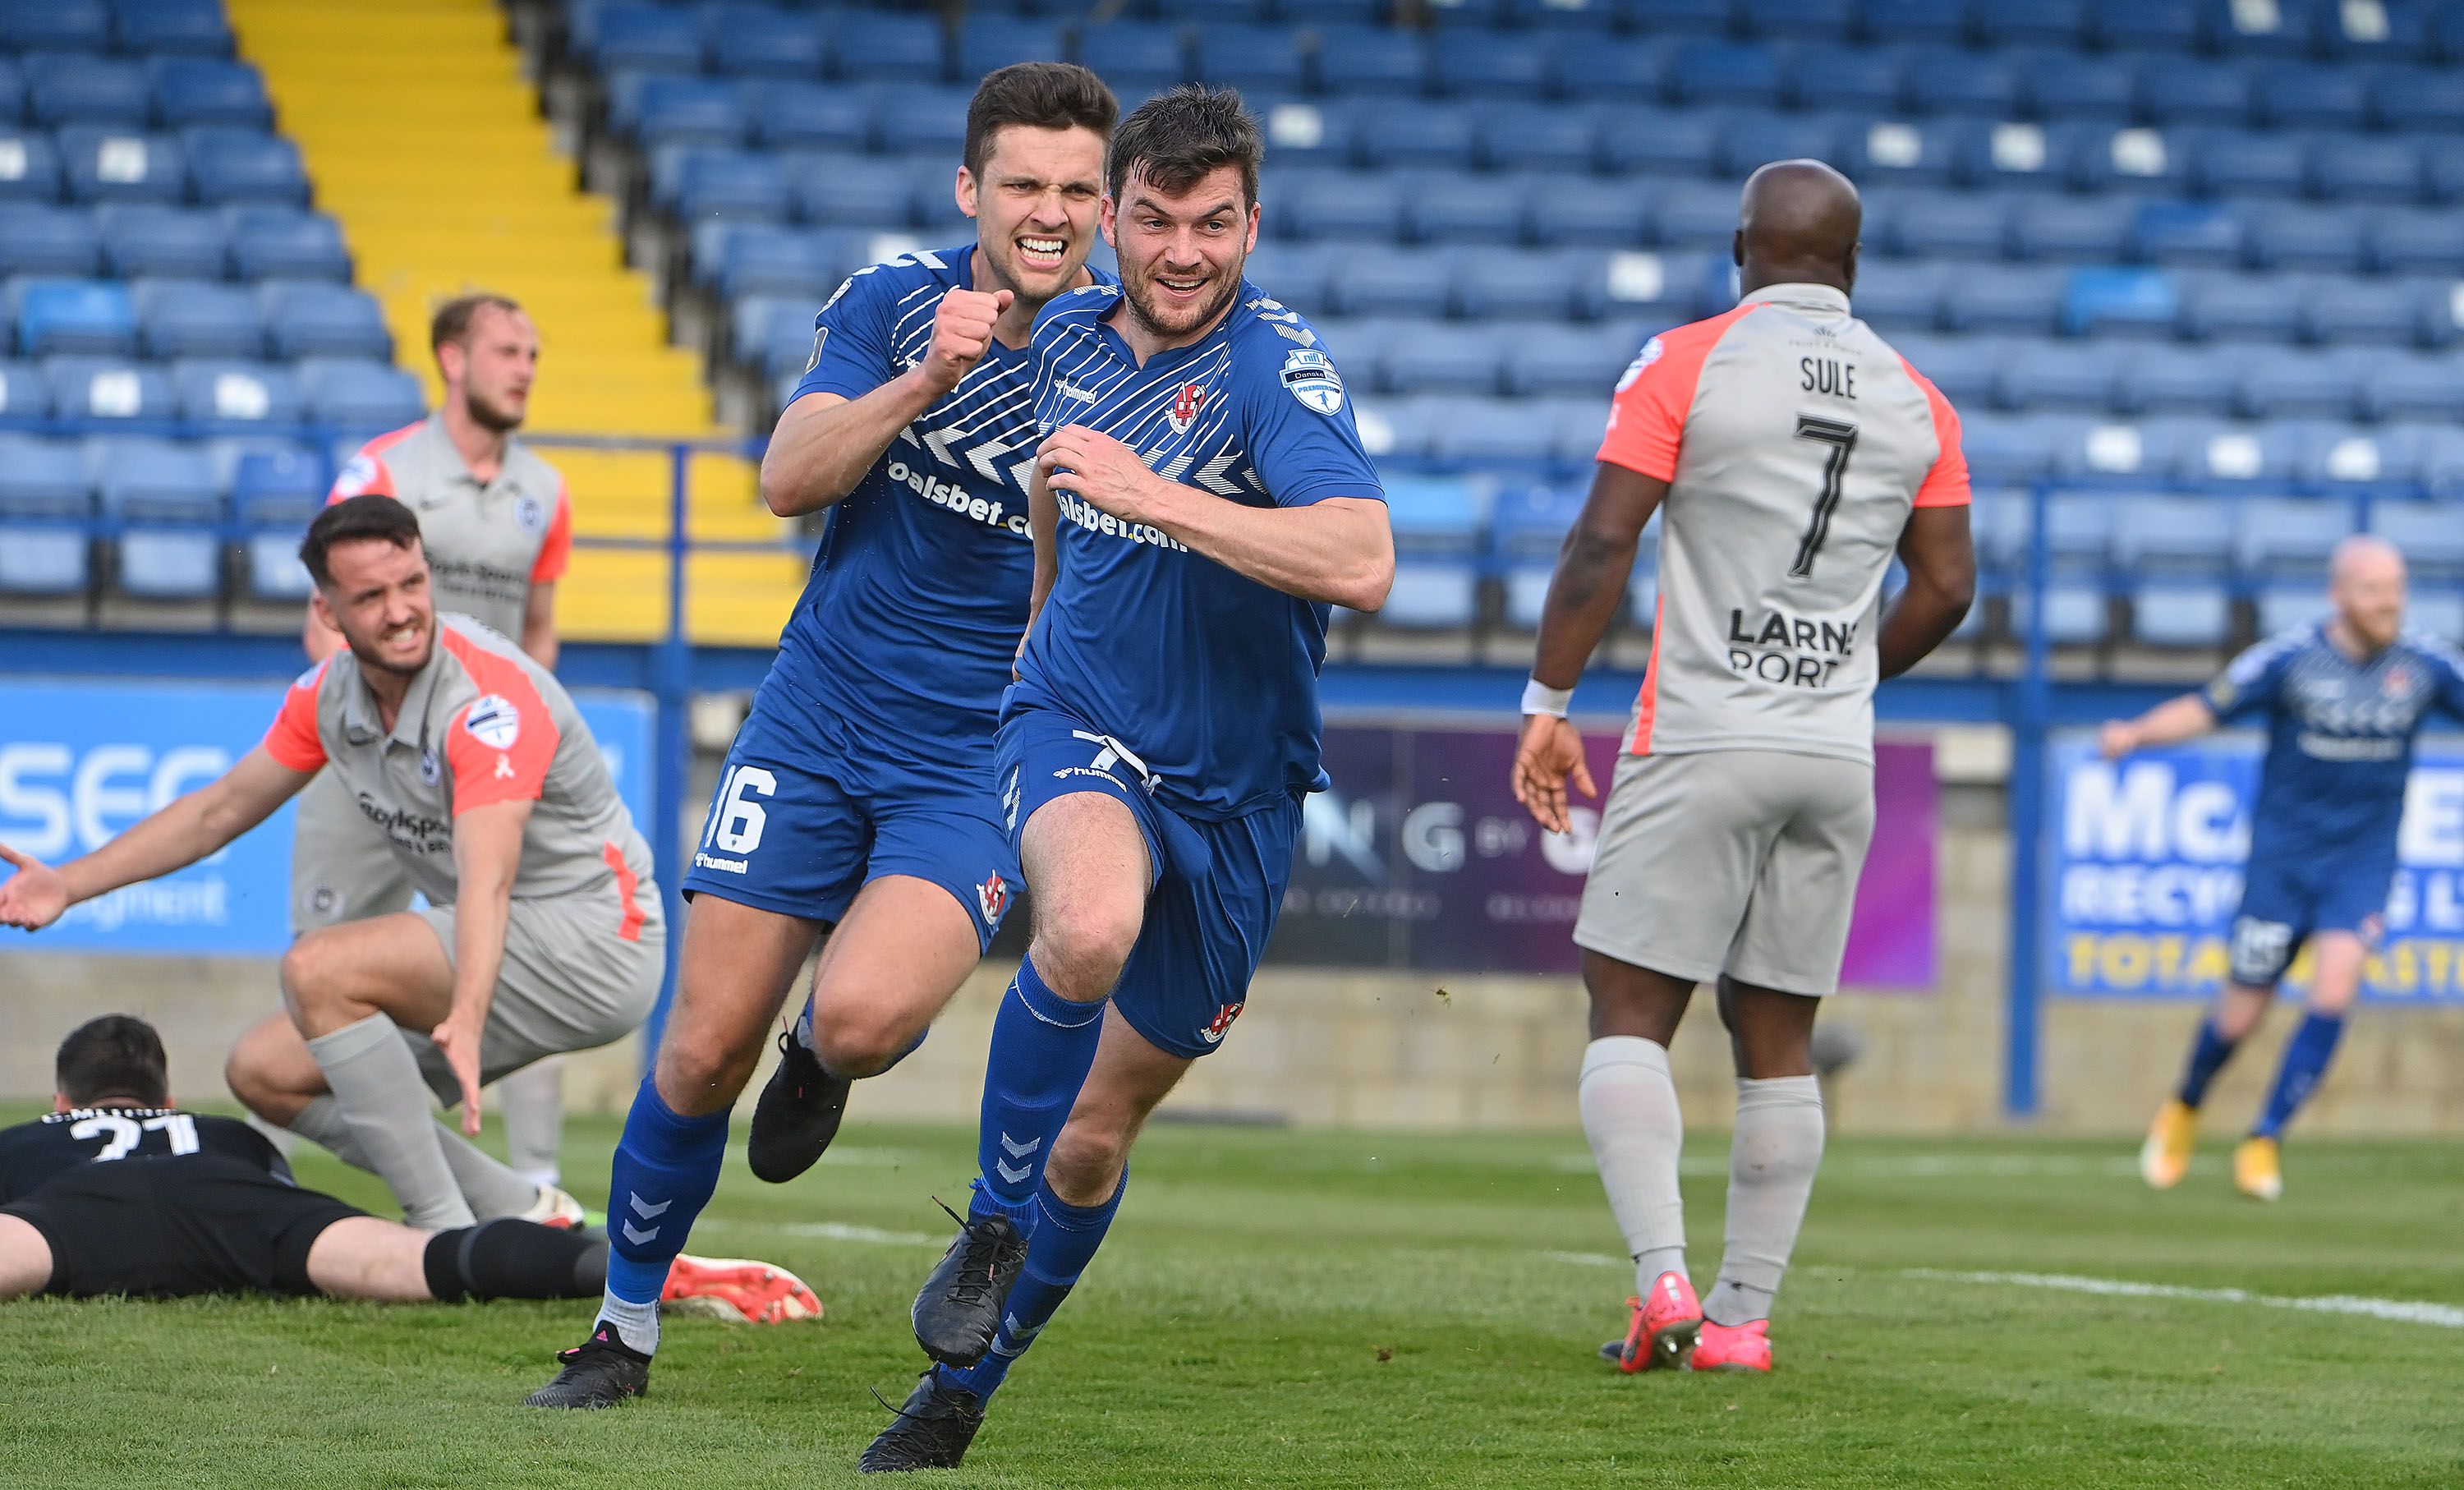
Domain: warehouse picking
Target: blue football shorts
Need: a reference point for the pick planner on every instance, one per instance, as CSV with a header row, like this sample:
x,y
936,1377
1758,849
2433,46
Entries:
x,y
798,826
1217,885
2285,901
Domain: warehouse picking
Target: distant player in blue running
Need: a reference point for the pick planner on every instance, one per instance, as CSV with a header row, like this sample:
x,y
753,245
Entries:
x,y
858,801
1202,500
2342,700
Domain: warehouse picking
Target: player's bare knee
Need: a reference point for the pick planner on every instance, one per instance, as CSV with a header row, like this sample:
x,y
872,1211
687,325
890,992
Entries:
x,y
1087,1162
701,1071
856,1040
1080,949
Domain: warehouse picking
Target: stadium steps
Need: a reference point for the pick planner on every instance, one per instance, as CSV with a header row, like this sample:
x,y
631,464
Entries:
x,y
475,195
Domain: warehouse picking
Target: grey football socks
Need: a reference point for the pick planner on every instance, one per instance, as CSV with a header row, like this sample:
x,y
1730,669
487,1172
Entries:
x,y
376,1082
1629,1105
491,1190
1772,1160
532,1103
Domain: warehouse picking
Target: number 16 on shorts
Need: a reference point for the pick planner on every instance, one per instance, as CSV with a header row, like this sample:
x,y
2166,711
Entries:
x,y
736,819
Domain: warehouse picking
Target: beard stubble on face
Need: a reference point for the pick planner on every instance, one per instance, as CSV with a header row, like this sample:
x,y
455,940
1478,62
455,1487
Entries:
x,y
1135,291
487,416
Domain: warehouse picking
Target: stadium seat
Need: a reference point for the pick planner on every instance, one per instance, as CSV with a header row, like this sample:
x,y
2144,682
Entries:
x,y
2431,535
2179,90
277,484
106,387
71,316
160,27
1895,153
2190,233
1614,70
24,396
2062,377
2071,85
2141,303
1354,61
2365,169
738,184
2306,95
2397,32
1754,141
2016,297
37,239
850,190
238,393
2144,25
1799,20
2181,615
1952,225
2272,30
1451,359
1866,81
1489,434
1679,17
1966,369
1395,282
619,35
181,318
2287,535
760,41
1898,295
39,559
283,243
29,165
2429,388
2418,99
1571,212
363,396
2150,162
63,90
2250,164
1939,22
757,260
2172,534
150,480
1519,285
1296,273
1658,141
1701,215
312,318
1343,204
1486,64
1949,81
2015,155
2007,449
2417,242
1435,523
885,46
170,563
143,239
1662,288
987,42
44,478
1404,133
190,90
56,25
2357,311
2228,306
1567,360
102,163
1534,136
1134,55
1456,208
1590,16
2335,239
1727,74
665,109
806,115
1261,58
2435,613
275,572
928,121
2073,229
239,166
2318,385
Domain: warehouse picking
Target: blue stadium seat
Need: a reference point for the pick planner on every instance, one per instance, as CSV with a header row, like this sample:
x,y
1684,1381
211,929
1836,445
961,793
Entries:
x,y
2015,297
2181,615
1752,141
2182,380
2074,230
987,41
1244,12
56,25
25,395
774,334
181,318
2307,237
1488,434
2001,448
1691,214
272,566
1519,285
1404,133
2078,528
1867,80
2063,376
2182,91
2376,312
350,394
2397,32
1958,225
921,120
108,387
1448,360
2418,99
2442,172
1437,532
2144,25
694,185
618,34
2431,535
1134,55
1486,64
1364,59
2422,242
1296,273
1396,432
1658,142
1590,16
2144,304
2154,161
881,47
2287,536
2275,30
1679,17
2175,535
37,239
2223,306
2236,163
170,563
71,316
239,166
1571,361
1727,74
1799,20
313,318
803,116
666,109
1534,136
277,483
1895,295
1430,594
2414,388
2364,169
2320,385
2015,154
150,480
1343,204
238,393
1459,208
187,28
759,41
283,243
67,89
1894,152
754,258
1266,58
852,190
1311,131
1393,282
2190,233
40,558
1941,22
189,89
107,164
44,478
2306,95
1949,81
1570,211
1613,69
2069,85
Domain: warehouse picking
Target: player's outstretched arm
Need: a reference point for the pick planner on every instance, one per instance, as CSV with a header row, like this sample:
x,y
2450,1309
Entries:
x,y
826,443
1941,558
184,831
2174,720
487,856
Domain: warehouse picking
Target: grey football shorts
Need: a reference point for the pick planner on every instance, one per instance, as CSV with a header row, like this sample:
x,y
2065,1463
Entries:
x,y
568,983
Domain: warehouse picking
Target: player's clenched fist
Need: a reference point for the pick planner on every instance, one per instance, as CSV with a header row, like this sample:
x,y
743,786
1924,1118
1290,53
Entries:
x,y
963,331
34,897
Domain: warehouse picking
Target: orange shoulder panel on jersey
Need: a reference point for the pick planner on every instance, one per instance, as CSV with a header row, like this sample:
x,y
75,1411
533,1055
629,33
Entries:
x,y
366,472
1647,415
292,741
1945,484
556,550
500,743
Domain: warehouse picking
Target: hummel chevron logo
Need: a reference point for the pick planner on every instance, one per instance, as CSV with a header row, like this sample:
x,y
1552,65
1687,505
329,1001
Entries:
x,y
980,456
1211,475
1015,1177
938,440
1019,1151
638,1236
646,1211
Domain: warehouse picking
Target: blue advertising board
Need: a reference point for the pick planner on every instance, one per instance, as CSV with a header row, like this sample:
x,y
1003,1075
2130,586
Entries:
x,y
2145,871
80,761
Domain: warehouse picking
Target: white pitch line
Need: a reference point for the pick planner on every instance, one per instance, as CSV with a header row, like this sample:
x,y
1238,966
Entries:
x,y
1585,1258
2403,1311
1914,1166
825,1231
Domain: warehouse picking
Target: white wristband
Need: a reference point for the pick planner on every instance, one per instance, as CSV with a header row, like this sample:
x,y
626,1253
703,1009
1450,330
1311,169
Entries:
x,y
1539,698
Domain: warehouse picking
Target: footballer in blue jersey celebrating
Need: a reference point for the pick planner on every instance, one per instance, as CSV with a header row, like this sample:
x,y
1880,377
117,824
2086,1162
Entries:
x,y
2342,700
858,800
1202,500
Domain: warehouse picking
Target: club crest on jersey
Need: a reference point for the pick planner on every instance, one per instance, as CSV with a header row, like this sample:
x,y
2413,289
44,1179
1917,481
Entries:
x,y
992,898
1185,405
430,769
1310,376
1649,355
2398,681
357,475
1214,1033
529,516
493,722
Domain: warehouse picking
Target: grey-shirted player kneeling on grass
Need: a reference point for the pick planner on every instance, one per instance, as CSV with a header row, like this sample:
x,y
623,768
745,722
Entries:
x,y
117,1191
1791,452
543,933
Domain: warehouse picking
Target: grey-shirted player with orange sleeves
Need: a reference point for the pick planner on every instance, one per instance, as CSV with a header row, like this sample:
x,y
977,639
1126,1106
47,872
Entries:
x,y
544,932
1792,453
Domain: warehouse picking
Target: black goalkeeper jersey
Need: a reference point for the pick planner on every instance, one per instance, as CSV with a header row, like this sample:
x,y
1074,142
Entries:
x,y
33,1155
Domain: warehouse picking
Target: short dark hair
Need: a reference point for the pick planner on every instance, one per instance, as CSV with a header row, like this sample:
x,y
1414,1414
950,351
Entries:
x,y
1041,96
371,514
454,318
1175,138
115,1056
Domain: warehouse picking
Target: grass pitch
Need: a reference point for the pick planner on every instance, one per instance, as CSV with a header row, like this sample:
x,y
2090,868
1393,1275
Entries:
x,y
1345,1309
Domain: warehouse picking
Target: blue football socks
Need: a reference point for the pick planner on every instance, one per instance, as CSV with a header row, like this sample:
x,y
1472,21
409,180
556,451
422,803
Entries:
x,y
2208,1053
1043,1045
2306,1060
666,1168
1063,1243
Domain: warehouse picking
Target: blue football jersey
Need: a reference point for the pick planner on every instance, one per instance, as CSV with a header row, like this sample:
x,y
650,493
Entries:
x,y
2340,737
1209,677
905,632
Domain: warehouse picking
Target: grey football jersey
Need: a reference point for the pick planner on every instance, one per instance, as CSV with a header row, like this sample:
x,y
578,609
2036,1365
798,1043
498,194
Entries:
x,y
1794,442
488,543
481,724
